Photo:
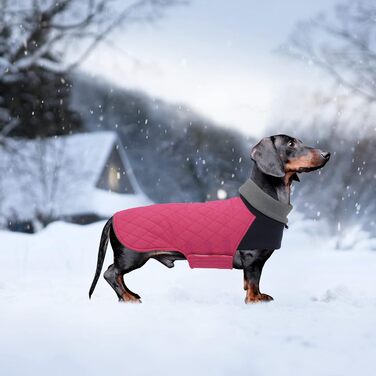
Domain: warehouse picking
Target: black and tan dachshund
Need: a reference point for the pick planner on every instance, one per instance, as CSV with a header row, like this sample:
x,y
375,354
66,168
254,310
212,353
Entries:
x,y
277,161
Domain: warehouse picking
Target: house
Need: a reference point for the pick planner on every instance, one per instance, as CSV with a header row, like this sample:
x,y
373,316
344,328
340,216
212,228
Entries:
x,y
80,178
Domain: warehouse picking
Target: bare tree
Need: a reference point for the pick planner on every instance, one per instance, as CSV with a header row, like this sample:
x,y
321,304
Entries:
x,y
39,31
342,44
45,180
36,37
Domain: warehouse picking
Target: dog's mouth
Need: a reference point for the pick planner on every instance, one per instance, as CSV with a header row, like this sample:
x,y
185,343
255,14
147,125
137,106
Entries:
x,y
308,169
313,168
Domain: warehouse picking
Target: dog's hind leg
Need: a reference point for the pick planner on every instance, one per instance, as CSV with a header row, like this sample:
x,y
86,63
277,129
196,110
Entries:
x,y
115,279
125,261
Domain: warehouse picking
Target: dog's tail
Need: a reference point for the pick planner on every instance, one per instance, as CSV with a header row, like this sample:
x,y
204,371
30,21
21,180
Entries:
x,y
101,254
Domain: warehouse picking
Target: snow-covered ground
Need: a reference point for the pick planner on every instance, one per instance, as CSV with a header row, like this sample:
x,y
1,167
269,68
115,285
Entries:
x,y
322,322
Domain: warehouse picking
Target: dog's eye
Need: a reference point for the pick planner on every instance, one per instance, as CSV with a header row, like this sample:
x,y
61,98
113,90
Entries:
x,y
291,143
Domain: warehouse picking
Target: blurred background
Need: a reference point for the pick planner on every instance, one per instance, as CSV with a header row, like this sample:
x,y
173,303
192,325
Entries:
x,y
107,104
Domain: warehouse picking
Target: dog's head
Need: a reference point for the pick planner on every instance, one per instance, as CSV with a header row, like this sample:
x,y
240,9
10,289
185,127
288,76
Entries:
x,y
282,155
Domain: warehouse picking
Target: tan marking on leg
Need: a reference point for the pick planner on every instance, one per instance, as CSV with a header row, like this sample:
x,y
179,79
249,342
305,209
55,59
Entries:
x,y
253,294
127,295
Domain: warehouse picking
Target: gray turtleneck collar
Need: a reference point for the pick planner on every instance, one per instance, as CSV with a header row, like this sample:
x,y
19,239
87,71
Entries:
x,y
264,203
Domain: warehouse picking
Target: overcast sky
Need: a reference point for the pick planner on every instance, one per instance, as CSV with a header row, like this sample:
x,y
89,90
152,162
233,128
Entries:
x,y
217,56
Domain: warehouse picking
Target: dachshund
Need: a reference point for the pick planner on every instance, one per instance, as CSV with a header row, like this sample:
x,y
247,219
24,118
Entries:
x,y
277,161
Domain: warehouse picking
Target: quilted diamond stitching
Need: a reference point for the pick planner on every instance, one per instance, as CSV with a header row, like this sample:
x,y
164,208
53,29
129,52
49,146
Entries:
x,y
197,228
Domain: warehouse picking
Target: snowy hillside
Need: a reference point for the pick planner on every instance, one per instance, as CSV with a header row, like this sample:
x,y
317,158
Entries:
x,y
176,154
322,321
188,157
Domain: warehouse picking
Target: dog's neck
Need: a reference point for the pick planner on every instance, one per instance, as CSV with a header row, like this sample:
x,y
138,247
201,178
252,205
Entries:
x,y
278,188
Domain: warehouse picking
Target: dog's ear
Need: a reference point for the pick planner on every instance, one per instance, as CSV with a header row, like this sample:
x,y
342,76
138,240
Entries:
x,y
295,177
267,159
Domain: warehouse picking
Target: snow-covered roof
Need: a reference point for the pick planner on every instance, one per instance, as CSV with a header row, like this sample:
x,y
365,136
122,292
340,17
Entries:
x,y
58,176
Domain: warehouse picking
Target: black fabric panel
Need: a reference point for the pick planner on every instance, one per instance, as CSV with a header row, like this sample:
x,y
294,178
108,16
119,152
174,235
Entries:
x,y
264,233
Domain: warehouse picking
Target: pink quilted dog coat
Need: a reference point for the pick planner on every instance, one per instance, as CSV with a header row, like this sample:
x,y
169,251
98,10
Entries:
x,y
207,234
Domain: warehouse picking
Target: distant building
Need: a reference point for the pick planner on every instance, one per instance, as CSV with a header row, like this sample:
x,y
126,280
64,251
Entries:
x,y
80,178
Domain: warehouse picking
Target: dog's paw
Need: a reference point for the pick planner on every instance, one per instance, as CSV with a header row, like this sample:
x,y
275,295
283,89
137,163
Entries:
x,y
266,298
127,298
260,298
132,301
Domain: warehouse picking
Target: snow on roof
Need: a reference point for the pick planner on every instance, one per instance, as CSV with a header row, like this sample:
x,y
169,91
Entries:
x,y
91,151
57,176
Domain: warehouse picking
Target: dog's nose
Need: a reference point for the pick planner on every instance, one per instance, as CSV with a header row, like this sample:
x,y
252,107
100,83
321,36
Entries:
x,y
325,154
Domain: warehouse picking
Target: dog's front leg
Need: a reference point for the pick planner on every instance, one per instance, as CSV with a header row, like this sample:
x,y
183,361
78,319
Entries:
x,y
253,263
